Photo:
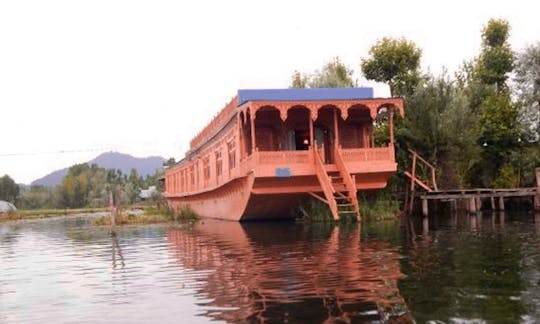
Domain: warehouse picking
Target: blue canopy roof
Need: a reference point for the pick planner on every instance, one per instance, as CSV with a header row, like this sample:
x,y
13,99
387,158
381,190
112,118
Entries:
x,y
295,94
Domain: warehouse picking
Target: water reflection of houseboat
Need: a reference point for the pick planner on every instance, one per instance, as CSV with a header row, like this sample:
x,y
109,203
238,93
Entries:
x,y
261,273
267,149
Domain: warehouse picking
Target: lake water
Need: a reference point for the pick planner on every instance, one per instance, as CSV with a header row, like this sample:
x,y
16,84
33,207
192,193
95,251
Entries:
x,y
454,269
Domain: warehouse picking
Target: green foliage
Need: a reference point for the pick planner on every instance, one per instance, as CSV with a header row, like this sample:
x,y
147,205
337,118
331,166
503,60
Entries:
x,y
436,109
299,80
170,162
395,61
334,74
185,213
527,81
499,136
499,125
37,197
495,33
378,206
494,64
496,60
314,211
151,215
507,177
9,190
89,186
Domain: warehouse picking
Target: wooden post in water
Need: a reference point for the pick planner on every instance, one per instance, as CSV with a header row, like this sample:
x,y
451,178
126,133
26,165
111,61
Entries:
x,y
453,205
425,225
537,197
492,199
425,207
478,202
501,203
472,205
413,173
113,211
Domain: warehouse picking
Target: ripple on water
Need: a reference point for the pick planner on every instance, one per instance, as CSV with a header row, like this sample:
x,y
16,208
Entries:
x,y
64,270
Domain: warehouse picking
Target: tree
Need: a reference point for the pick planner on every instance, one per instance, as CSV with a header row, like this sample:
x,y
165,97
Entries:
x,y
396,62
435,110
498,126
9,190
37,197
334,74
170,162
527,81
299,80
496,60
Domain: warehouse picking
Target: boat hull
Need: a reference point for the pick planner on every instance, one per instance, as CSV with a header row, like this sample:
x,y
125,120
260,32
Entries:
x,y
235,201
227,202
249,198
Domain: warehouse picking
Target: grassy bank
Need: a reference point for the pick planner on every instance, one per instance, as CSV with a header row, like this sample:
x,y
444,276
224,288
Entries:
x,y
379,209
45,213
315,211
150,215
380,206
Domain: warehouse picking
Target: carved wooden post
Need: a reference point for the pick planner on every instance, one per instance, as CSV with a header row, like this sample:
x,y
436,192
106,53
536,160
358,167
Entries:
x,y
311,133
391,125
336,131
252,116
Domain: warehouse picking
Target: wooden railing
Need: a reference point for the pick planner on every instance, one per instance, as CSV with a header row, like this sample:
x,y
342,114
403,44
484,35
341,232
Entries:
x,y
283,157
368,154
347,179
422,172
325,182
426,178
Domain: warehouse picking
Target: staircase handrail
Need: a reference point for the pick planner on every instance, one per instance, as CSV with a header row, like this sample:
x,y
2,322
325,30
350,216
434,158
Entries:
x,y
325,182
347,179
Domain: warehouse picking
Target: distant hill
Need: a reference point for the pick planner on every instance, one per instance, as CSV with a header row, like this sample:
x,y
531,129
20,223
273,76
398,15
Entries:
x,y
110,160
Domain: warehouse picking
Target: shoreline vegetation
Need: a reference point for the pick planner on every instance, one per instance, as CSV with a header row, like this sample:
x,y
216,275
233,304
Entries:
x,y
311,211
25,214
127,215
379,207
148,215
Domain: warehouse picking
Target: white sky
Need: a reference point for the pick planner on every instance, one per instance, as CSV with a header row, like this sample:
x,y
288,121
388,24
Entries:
x,y
142,77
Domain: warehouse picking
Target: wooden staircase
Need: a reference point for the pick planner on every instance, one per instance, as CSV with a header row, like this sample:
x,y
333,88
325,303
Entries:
x,y
338,187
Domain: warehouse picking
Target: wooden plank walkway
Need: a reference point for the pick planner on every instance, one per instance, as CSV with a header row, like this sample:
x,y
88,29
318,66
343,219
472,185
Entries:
x,y
479,192
474,198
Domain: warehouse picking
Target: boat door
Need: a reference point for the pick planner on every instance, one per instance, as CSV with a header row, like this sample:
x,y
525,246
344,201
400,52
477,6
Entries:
x,y
324,140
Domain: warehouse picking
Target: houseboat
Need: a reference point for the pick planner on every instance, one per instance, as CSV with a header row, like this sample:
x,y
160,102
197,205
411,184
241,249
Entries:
x,y
267,150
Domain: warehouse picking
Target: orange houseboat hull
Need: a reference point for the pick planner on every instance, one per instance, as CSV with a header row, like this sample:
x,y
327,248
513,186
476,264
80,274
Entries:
x,y
237,201
259,161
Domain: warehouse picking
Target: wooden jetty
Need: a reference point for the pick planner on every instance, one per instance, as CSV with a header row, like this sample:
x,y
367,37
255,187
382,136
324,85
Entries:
x,y
474,199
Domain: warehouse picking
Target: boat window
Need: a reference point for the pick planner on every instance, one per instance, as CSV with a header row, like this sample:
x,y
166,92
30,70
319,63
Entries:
x,y
232,154
192,175
219,163
182,180
206,169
